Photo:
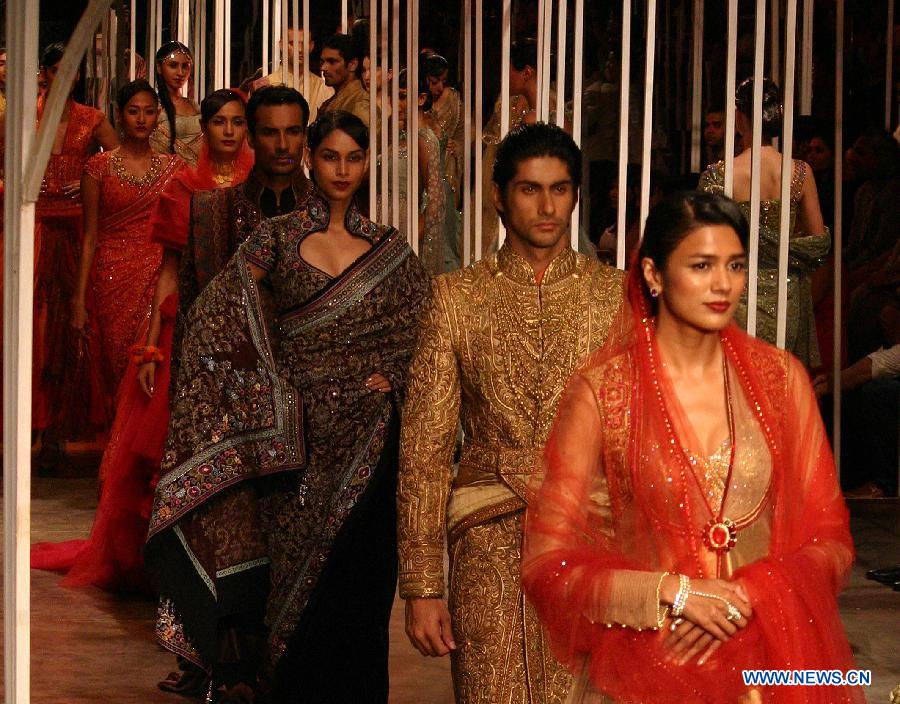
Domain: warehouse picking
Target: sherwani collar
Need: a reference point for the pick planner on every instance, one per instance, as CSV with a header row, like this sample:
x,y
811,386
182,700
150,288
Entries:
x,y
519,270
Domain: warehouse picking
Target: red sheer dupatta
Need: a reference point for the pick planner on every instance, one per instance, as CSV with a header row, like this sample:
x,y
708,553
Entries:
x,y
618,503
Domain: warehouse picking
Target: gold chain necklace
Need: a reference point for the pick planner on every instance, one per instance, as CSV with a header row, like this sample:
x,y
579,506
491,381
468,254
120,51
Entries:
x,y
125,177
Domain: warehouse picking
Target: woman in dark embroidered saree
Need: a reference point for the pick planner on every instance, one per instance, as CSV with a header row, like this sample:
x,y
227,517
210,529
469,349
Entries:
x,y
279,476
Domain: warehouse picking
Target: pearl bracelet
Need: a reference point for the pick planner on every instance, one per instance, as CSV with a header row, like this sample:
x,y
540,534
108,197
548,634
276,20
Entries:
x,y
684,590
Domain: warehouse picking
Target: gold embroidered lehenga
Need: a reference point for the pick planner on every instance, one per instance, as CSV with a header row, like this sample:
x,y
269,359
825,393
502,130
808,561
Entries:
x,y
625,496
494,352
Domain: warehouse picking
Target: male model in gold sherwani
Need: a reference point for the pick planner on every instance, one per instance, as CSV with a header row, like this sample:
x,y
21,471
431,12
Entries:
x,y
498,345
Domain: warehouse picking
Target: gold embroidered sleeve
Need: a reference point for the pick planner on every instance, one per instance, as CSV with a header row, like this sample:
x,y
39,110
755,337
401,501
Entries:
x,y
427,440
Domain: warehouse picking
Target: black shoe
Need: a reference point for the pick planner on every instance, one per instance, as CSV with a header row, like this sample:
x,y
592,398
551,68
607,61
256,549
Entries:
x,y
885,575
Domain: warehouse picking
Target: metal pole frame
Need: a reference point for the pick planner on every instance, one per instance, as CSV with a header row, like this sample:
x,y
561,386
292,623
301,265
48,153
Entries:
x,y
479,127
697,85
753,258
577,79
648,112
838,229
467,135
730,88
373,113
624,101
787,169
505,97
806,59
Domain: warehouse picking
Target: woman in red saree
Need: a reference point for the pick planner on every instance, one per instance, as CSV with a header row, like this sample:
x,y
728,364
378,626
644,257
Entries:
x,y
664,560
120,190
111,558
67,401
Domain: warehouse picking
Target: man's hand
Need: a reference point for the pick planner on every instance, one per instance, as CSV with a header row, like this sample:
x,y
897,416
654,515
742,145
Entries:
x,y
428,626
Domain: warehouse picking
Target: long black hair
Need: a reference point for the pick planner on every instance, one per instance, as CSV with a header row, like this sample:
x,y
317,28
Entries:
x,y
337,120
164,98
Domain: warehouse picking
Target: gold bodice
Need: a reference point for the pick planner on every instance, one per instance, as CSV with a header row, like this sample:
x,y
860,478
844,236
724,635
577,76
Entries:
x,y
495,353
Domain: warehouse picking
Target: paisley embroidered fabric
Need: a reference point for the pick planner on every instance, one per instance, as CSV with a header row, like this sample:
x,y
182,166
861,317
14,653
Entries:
x,y
236,414
620,502
805,254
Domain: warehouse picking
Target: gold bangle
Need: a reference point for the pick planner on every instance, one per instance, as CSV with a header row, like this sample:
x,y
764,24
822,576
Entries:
x,y
662,610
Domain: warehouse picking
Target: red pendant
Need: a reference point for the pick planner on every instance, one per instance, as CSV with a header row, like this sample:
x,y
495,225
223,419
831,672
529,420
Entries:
x,y
720,536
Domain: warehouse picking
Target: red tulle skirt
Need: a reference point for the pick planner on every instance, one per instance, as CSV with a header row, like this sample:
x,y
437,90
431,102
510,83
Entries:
x,y
112,557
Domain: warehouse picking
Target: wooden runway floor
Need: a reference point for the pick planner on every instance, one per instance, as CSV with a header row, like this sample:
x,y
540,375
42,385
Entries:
x,y
89,646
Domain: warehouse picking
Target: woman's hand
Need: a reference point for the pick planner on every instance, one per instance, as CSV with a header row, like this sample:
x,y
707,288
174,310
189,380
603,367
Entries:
x,y
704,624
146,376
72,189
377,382
79,314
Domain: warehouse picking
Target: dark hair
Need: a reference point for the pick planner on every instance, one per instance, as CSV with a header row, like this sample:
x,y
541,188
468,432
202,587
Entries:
x,y
337,120
715,107
164,97
677,215
434,65
344,45
886,151
522,53
529,141
359,32
216,100
131,89
423,88
52,54
772,110
274,95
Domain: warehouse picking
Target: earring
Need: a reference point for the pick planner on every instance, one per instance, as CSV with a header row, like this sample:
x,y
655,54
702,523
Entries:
x,y
654,292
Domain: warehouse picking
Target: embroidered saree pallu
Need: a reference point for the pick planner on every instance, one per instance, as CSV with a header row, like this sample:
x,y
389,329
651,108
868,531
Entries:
x,y
238,434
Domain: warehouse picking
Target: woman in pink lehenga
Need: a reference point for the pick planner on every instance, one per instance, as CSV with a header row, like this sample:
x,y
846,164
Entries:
x,y
112,557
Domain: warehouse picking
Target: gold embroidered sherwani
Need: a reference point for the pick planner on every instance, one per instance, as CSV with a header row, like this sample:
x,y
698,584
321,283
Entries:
x,y
495,352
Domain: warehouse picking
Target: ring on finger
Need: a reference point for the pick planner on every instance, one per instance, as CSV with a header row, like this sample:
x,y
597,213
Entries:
x,y
676,623
733,613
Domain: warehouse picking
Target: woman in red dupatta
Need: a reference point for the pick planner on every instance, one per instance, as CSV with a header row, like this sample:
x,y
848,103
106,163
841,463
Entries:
x,y
112,557
663,560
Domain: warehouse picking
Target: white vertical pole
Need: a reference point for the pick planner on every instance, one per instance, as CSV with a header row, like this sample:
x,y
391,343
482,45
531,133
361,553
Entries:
x,y
159,22
697,87
790,50
755,163
577,76
467,135
479,125
276,35
889,67
385,111
775,46
345,18
838,229
132,38
307,37
226,53
151,40
730,80
204,61
297,84
197,45
648,112
505,97
265,36
184,34
395,102
373,114
561,18
412,103
285,57
219,46
624,95
22,18
806,59
544,58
